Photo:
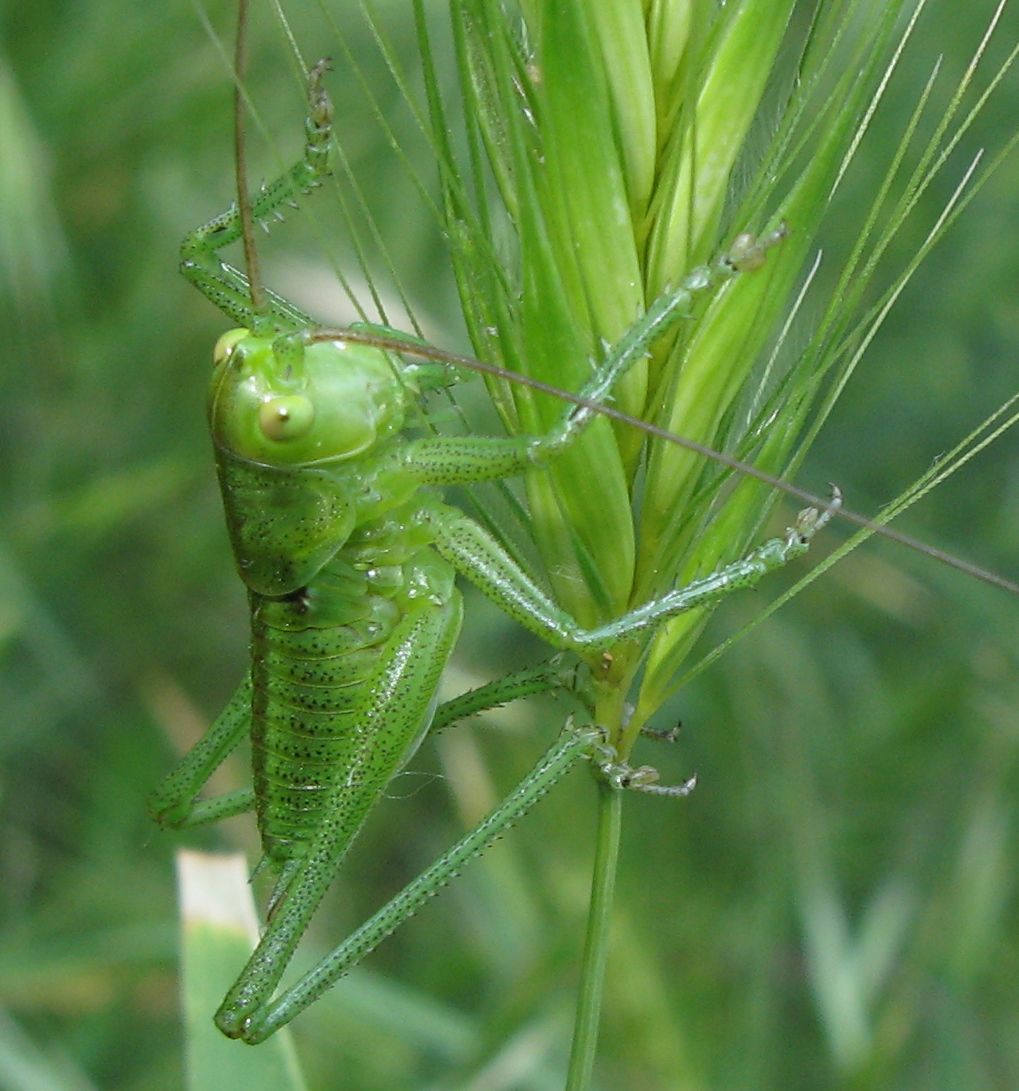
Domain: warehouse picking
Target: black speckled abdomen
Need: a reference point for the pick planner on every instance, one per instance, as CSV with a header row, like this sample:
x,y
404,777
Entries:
x,y
316,657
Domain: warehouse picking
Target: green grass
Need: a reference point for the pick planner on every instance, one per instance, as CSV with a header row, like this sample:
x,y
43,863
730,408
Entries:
x,y
834,907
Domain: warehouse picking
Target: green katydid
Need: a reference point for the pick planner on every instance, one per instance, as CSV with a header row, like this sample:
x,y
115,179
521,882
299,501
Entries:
x,y
349,555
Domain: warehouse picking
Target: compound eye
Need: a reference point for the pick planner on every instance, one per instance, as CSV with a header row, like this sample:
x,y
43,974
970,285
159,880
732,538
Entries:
x,y
288,417
226,344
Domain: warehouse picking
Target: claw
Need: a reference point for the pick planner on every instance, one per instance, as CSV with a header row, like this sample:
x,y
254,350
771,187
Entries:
x,y
748,251
833,506
662,734
642,778
810,520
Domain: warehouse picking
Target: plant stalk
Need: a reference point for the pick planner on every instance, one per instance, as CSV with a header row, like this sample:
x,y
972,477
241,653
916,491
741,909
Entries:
x,y
596,943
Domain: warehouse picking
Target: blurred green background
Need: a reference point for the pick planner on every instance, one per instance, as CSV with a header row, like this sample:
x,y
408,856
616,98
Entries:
x,y
835,906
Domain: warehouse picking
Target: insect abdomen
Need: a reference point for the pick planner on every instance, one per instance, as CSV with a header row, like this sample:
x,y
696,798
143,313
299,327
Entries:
x,y
315,655
312,653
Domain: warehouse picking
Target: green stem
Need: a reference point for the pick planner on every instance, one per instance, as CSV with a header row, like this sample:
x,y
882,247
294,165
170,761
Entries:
x,y
596,944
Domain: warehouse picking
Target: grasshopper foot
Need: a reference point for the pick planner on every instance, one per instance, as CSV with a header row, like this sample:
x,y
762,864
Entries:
x,y
636,778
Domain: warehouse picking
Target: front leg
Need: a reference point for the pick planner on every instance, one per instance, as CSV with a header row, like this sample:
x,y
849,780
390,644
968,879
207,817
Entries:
x,y
226,286
479,557
445,460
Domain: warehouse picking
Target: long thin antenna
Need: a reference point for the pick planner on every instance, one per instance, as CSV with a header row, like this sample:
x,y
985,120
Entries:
x,y
413,347
259,301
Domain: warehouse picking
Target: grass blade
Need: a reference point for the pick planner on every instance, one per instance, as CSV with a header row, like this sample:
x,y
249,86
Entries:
x,y
218,930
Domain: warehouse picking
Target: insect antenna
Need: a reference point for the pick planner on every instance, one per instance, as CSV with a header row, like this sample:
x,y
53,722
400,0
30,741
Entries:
x,y
259,300
413,347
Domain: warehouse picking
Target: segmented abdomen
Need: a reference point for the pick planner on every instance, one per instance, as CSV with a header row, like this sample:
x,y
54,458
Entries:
x,y
305,688
314,654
